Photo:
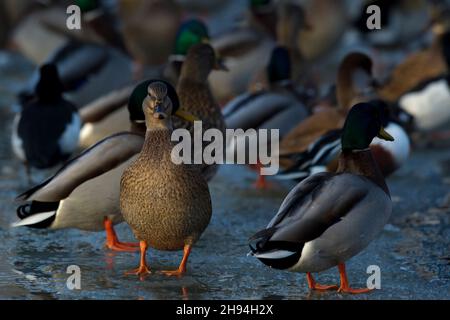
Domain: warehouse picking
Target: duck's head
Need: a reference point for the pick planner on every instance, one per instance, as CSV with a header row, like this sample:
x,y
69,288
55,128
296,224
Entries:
x,y
137,106
263,15
200,61
191,32
364,122
279,68
49,86
355,82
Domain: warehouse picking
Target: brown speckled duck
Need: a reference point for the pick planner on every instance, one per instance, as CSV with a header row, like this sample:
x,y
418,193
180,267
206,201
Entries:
x,y
168,206
195,94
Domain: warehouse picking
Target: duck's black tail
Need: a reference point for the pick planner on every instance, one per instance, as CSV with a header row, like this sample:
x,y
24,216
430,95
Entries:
x,y
275,254
39,215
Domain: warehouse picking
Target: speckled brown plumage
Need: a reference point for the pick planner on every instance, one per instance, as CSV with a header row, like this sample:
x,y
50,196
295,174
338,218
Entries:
x,y
166,205
196,97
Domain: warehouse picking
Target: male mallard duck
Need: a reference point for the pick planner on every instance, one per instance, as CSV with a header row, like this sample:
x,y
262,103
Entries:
x,y
149,29
330,217
245,50
108,114
84,194
354,83
429,102
322,155
191,32
47,130
196,97
168,206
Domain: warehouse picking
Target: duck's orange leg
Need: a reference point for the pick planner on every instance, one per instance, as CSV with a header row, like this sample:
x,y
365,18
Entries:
x,y
314,286
261,182
345,287
143,268
182,268
113,243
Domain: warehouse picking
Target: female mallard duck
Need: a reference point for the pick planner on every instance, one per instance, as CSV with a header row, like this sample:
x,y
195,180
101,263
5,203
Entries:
x,y
168,206
84,194
196,97
429,102
108,114
354,84
47,130
322,155
149,29
330,217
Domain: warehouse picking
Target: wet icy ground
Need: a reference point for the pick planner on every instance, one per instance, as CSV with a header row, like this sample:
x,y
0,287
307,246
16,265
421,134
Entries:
x,y
413,251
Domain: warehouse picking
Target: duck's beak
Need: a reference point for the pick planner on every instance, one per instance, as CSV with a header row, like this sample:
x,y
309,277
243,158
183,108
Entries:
x,y
383,134
186,116
220,65
159,113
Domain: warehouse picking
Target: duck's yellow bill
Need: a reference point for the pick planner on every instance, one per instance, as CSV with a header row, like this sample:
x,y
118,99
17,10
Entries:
x,y
383,134
186,116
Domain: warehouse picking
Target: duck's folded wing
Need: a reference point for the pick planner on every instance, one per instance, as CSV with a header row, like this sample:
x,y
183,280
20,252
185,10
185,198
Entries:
x,y
312,207
100,158
98,109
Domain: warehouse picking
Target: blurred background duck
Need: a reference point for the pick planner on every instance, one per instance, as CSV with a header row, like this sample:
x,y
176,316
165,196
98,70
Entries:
x,y
354,84
245,50
149,29
278,107
322,155
47,25
108,114
46,131
331,217
429,102
167,206
196,97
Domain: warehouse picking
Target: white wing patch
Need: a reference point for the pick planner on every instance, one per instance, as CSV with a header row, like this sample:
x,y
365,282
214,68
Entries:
x,y
430,106
69,140
34,219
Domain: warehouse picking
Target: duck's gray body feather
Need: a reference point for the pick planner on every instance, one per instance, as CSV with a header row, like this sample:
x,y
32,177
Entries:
x,y
88,187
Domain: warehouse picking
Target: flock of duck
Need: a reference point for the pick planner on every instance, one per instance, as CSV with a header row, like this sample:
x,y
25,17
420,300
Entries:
x,y
339,146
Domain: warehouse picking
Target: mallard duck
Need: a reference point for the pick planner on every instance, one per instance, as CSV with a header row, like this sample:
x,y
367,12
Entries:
x,y
245,50
44,31
84,194
322,155
191,32
196,97
76,63
168,206
354,84
108,114
418,67
46,132
330,217
402,22
279,107
429,102
149,29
